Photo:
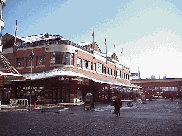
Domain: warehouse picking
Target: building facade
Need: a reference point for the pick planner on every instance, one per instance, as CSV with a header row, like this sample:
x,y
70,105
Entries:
x,y
61,70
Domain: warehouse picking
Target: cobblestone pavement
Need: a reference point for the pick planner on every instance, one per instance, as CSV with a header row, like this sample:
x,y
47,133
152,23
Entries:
x,y
161,117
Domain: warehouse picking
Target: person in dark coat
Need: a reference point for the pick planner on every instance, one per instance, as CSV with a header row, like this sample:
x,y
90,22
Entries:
x,y
117,105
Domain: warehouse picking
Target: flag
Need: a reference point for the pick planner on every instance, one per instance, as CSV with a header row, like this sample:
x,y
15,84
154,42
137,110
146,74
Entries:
x,y
16,26
15,31
122,51
105,42
93,33
114,48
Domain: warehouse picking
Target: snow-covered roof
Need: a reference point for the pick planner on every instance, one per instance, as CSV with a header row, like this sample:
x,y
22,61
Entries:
x,y
58,72
8,74
84,43
39,37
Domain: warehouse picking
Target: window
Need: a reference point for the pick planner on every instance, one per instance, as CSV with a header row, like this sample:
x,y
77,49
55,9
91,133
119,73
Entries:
x,y
28,61
40,60
113,73
118,73
90,65
108,71
85,64
64,58
69,59
52,58
99,67
95,67
127,77
79,62
103,69
20,62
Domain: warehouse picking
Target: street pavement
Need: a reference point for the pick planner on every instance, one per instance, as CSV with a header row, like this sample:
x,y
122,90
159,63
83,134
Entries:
x,y
161,117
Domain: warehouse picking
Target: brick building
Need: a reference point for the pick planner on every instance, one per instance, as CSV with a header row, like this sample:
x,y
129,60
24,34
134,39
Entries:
x,y
63,70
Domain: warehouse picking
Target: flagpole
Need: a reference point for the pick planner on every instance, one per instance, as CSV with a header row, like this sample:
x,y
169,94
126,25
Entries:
x,y
93,40
93,52
115,47
14,50
106,57
115,59
121,56
15,31
122,61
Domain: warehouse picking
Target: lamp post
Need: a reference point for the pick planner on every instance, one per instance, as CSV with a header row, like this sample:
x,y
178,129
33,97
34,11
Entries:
x,y
31,58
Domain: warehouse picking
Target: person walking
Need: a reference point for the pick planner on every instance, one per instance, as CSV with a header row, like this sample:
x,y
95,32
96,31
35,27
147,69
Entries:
x,y
117,105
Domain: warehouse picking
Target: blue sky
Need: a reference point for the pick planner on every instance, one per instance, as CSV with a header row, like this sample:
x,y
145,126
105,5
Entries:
x,y
149,31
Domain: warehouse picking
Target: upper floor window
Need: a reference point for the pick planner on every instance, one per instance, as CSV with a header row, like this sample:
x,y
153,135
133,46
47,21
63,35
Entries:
x,y
64,58
85,64
127,77
40,60
52,58
118,73
28,61
20,62
79,64
108,71
99,67
90,65
103,69
95,67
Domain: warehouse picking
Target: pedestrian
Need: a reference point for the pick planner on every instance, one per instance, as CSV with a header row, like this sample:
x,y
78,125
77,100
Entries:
x,y
117,105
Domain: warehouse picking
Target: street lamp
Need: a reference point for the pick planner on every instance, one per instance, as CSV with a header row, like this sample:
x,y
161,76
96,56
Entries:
x,y
31,58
